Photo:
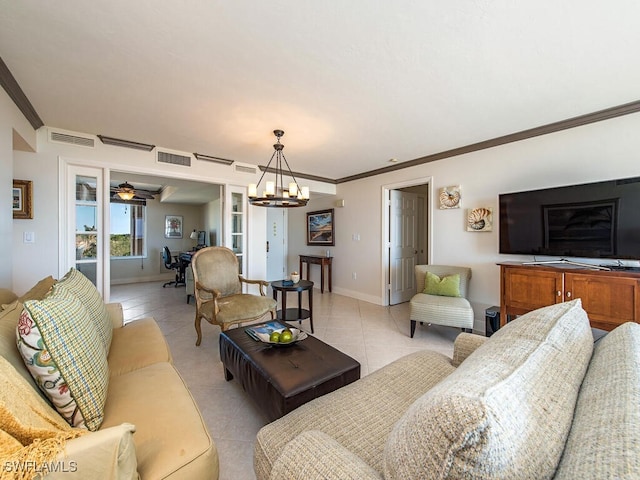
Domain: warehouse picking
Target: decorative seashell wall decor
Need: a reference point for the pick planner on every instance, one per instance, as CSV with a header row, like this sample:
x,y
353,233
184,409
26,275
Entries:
x,y
450,197
480,219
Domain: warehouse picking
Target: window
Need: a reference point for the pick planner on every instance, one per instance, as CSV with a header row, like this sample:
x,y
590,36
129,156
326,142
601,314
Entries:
x,y
128,230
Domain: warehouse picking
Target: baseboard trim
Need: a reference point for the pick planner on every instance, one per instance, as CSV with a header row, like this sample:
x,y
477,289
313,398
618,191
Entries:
x,y
358,295
150,278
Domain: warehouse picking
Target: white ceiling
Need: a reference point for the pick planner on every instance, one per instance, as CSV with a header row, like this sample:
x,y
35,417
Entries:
x,y
353,84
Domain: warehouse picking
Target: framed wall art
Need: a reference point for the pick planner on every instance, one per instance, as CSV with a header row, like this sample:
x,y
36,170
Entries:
x,y
320,228
173,226
479,219
449,197
22,199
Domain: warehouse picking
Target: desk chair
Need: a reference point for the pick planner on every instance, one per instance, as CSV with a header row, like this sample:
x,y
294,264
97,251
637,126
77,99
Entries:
x,y
171,264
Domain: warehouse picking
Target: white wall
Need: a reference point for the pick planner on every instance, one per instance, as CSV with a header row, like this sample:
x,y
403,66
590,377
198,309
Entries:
x,y
604,150
213,220
12,122
42,255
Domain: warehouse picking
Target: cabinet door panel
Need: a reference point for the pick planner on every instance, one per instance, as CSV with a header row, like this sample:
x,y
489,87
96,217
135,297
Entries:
x,y
609,301
527,289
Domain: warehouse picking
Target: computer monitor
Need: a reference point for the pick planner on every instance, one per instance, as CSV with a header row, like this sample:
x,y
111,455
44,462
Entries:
x,y
202,239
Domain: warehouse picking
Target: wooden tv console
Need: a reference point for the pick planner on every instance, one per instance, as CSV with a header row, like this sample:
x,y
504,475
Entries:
x,y
610,298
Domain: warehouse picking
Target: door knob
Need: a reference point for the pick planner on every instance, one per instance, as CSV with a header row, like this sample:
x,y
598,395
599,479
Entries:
x,y
568,294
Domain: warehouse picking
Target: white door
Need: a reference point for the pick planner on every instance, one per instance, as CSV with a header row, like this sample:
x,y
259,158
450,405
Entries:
x,y
83,236
403,249
236,220
276,246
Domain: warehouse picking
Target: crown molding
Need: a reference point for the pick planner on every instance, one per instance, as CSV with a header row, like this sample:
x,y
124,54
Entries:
x,y
16,94
306,176
599,116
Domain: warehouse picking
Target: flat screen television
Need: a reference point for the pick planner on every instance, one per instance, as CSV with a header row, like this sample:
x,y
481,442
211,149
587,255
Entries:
x,y
592,220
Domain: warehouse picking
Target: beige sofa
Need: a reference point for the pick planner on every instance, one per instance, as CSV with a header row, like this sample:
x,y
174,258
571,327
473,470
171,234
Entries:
x,y
539,399
152,427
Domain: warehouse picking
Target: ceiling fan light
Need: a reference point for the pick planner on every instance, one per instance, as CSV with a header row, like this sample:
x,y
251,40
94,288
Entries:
x,y
126,195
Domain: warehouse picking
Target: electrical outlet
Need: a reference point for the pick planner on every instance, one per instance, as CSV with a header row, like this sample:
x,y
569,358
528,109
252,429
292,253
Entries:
x,y
354,275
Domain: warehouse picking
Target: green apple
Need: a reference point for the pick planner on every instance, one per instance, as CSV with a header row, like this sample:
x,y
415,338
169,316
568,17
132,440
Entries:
x,y
286,336
274,337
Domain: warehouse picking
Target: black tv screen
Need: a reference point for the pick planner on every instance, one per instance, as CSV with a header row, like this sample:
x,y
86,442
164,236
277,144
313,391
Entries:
x,y
592,220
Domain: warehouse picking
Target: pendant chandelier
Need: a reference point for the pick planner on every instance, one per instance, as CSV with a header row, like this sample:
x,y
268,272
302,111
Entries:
x,y
275,194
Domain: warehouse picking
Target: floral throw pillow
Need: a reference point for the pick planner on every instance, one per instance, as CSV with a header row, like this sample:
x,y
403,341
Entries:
x,y
63,352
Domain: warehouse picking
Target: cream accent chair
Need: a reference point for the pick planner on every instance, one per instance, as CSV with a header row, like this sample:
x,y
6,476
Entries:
x,y
448,311
218,291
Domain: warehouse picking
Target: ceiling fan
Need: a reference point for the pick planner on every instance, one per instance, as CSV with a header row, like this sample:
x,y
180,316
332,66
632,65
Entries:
x,y
126,191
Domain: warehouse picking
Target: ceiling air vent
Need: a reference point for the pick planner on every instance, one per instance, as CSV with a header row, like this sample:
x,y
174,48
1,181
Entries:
x,y
245,169
71,139
174,159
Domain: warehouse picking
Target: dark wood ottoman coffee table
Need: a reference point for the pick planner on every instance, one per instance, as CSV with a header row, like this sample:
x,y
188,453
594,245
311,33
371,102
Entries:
x,y
280,379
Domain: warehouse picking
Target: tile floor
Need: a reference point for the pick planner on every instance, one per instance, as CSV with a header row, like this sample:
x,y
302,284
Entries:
x,y
372,334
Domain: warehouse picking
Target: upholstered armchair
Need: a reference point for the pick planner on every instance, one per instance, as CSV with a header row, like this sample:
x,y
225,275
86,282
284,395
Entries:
x,y
442,309
218,291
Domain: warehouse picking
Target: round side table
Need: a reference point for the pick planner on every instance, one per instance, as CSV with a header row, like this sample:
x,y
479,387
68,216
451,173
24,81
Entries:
x,y
294,314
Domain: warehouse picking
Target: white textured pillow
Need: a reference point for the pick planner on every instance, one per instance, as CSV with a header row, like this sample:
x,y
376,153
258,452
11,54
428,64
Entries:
x,y
506,411
63,352
605,434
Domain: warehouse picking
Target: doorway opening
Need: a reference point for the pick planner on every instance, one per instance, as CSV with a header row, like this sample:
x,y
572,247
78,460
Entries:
x,y
195,207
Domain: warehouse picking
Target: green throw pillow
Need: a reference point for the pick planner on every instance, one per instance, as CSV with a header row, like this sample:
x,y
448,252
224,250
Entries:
x,y
445,287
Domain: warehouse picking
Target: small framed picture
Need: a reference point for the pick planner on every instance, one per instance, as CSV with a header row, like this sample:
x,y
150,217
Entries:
x,y
173,226
449,197
480,219
320,228
22,204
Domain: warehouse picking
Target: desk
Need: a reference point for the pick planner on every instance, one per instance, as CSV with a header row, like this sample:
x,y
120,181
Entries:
x,y
294,314
185,257
317,260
